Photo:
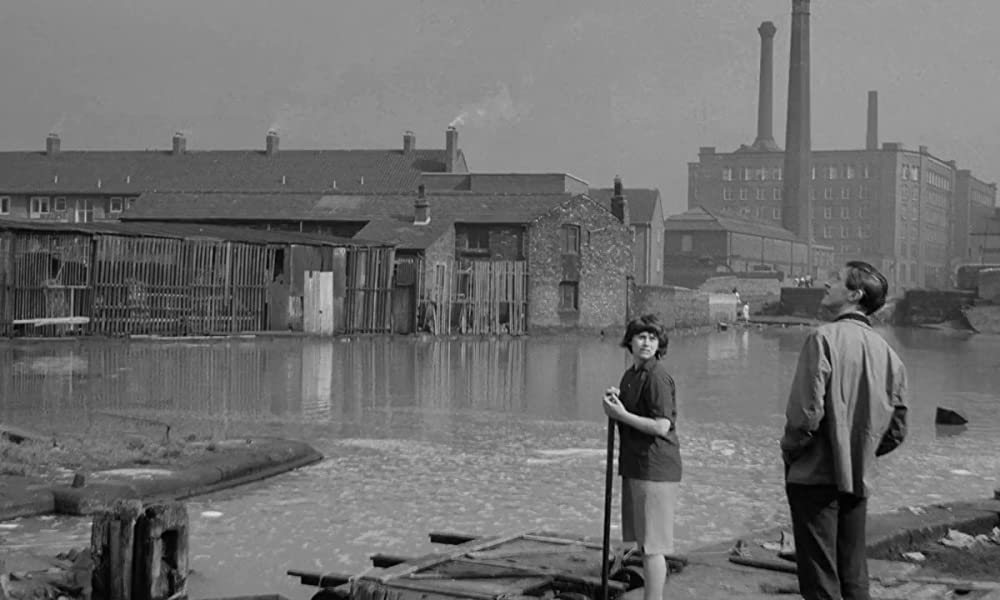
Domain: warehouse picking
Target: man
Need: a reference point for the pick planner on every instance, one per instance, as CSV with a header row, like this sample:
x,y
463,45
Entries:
x,y
847,405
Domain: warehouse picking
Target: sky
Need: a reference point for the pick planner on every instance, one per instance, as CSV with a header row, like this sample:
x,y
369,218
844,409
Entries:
x,y
588,87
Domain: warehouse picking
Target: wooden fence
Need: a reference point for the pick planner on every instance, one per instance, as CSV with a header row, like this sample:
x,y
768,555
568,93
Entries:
x,y
60,283
474,297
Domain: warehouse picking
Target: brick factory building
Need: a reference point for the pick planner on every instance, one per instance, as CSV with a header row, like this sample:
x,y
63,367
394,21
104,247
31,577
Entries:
x,y
905,210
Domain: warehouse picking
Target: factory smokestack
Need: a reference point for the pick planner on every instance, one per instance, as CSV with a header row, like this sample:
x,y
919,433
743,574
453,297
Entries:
x,y
871,137
765,102
796,207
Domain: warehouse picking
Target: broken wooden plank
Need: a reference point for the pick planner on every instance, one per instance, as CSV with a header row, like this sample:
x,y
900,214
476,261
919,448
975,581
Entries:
x,y
319,579
451,539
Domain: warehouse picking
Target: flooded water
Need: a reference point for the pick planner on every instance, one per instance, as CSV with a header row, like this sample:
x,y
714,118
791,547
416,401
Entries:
x,y
476,436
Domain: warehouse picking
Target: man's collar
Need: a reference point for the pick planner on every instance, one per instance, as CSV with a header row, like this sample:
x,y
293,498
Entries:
x,y
854,316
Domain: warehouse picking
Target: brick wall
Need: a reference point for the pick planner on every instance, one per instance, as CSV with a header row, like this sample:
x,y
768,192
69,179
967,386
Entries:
x,y
801,302
600,270
506,242
441,251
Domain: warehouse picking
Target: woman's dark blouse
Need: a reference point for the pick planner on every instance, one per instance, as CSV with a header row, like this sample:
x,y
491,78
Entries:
x,y
649,391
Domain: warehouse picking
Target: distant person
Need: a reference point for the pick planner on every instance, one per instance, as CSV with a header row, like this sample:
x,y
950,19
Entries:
x,y
649,458
847,405
736,295
745,312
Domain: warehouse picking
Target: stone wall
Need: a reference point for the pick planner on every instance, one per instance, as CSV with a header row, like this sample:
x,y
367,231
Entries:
x,y
600,271
678,307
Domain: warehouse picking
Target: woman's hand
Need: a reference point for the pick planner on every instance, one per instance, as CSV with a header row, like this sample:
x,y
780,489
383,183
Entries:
x,y
613,406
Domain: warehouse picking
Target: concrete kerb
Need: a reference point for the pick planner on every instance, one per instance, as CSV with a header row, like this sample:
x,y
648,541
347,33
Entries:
x,y
255,459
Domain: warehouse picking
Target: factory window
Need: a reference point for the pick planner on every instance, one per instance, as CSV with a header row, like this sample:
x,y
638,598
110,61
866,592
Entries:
x,y
727,194
864,232
850,172
759,193
906,172
4,205
747,173
828,193
812,173
777,193
745,211
727,174
687,243
59,204
862,192
776,213
776,174
762,174
868,172
115,205
862,212
828,232
38,206
569,296
843,231
743,193
831,172
827,213
845,212
477,238
915,173
845,192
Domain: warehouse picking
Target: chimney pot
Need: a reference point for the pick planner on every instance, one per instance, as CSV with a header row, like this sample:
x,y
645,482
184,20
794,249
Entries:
x,y
451,148
619,204
179,144
271,147
923,149
52,144
421,208
871,135
409,142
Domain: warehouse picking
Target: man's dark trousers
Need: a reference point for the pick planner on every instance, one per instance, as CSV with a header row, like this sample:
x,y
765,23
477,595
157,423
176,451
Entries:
x,y
829,529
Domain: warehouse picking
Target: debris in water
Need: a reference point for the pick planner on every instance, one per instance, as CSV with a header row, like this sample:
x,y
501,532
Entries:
x,y
211,514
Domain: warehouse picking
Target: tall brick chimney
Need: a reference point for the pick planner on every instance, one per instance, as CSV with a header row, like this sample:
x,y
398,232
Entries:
x,y
421,208
450,148
871,132
271,147
409,142
52,144
796,205
180,144
619,203
765,101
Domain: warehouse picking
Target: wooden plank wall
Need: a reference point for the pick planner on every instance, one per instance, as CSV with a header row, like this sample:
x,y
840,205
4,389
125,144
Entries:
x,y
479,298
368,302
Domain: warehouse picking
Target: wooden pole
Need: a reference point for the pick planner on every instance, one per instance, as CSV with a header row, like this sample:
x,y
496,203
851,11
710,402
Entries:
x,y
608,486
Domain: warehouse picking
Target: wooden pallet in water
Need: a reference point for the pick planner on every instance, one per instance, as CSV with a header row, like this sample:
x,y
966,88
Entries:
x,y
536,565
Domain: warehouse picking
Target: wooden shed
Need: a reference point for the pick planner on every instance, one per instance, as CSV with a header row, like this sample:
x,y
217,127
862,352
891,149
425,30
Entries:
x,y
180,279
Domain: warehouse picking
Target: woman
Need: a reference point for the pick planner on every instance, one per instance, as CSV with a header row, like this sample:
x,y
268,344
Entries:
x,y
649,460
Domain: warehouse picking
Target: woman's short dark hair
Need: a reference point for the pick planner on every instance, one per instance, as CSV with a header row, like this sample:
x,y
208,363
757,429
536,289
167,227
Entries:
x,y
646,324
873,285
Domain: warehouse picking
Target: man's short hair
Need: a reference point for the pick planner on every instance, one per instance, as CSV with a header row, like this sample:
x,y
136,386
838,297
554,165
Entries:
x,y
873,285
646,324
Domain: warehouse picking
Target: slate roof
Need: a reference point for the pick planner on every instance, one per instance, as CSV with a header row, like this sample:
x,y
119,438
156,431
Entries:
x,y
387,217
703,219
133,172
188,231
641,202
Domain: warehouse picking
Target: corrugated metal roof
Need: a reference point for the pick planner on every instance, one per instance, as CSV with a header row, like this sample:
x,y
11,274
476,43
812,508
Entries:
x,y
703,219
189,231
134,172
641,202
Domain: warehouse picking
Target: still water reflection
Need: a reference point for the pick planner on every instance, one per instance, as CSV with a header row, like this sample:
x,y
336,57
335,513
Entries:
x,y
480,436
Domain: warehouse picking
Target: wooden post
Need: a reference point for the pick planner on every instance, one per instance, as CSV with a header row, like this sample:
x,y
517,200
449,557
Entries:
x,y
112,539
140,554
